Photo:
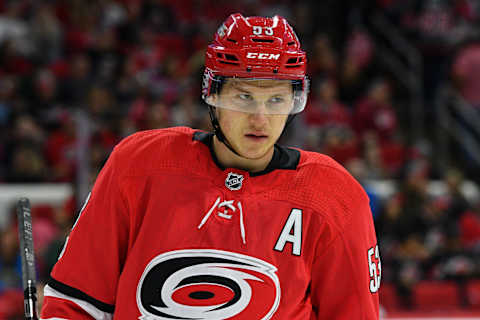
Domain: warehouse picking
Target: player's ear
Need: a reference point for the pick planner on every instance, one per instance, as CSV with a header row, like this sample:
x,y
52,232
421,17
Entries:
x,y
213,99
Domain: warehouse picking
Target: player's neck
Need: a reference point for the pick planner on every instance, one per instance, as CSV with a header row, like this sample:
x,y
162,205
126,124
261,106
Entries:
x,y
228,159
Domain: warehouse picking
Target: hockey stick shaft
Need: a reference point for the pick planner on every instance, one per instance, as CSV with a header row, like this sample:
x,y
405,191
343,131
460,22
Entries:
x,y
25,236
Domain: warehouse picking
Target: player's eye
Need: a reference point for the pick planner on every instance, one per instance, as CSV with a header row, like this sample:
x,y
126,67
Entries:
x,y
277,100
245,96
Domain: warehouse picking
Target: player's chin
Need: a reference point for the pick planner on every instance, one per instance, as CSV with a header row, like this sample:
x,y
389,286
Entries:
x,y
256,153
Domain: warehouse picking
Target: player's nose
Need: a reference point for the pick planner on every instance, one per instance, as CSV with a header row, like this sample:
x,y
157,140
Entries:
x,y
259,117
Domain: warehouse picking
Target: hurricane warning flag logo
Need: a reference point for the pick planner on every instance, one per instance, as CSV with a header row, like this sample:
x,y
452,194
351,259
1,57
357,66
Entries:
x,y
208,284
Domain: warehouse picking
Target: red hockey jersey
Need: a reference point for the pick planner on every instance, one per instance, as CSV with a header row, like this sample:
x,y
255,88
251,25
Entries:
x,y
167,233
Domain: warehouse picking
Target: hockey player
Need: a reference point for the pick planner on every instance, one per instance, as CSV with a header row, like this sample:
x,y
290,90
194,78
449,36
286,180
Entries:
x,y
185,224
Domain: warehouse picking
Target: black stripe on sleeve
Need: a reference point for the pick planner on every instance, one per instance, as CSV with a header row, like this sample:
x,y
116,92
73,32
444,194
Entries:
x,y
75,293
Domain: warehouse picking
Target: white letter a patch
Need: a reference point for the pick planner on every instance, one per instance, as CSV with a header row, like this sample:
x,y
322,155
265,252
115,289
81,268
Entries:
x,y
291,232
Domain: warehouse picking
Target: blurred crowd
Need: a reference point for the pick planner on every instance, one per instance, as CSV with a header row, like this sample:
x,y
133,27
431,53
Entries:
x,y
130,65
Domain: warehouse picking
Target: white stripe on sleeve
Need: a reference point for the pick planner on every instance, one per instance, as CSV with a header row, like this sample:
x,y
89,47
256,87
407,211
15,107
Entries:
x,y
89,308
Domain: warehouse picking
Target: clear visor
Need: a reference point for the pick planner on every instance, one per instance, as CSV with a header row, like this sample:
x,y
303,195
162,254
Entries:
x,y
267,96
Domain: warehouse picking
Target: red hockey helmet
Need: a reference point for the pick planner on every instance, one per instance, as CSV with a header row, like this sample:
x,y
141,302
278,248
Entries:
x,y
255,48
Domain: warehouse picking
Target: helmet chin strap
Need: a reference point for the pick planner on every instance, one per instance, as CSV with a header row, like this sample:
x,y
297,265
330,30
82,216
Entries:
x,y
218,131
221,137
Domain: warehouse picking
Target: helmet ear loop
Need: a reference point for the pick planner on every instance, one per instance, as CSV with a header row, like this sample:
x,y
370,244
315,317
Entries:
x,y
217,130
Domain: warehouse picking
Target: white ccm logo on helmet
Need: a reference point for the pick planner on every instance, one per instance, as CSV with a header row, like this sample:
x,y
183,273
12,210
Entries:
x,y
265,56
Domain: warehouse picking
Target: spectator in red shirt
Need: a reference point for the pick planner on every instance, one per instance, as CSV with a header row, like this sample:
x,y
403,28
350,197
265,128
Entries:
x,y
326,108
329,123
375,112
60,150
466,73
470,227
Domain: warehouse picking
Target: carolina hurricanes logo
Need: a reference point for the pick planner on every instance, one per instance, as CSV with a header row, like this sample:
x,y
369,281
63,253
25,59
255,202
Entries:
x,y
208,284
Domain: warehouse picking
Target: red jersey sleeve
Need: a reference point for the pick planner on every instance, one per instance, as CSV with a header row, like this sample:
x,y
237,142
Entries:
x,y
346,270
83,282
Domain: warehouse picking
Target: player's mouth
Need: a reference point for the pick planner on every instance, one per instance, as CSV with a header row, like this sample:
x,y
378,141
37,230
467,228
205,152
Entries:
x,y
256,137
